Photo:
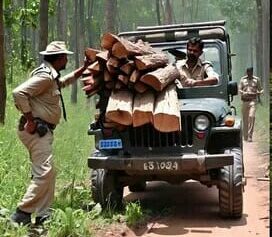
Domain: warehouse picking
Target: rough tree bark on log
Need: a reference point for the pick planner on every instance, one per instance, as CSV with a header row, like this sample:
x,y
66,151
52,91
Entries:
x,y
151,61
108,40
119,107
166,117
124,49
140,87
91,53
143,109
128,67
161,77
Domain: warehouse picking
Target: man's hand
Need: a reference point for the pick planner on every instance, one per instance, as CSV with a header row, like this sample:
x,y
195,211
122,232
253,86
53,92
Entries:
x,y
30,126
189,82
89,83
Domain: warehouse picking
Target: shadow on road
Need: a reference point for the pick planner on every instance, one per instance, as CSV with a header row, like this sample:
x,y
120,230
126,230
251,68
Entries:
x,y
180,208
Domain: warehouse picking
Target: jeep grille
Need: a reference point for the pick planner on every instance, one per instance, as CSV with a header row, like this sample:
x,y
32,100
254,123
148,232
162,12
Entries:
x,y
147,136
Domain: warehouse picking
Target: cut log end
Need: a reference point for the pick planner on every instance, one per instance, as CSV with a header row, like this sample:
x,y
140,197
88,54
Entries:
x,y
166,123
120,117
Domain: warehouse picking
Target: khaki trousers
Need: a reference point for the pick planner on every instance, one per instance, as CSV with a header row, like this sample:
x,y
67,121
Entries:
x,y
248,113
40,192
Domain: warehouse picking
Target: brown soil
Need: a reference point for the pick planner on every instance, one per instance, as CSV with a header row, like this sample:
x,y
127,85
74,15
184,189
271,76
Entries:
x,y
191,209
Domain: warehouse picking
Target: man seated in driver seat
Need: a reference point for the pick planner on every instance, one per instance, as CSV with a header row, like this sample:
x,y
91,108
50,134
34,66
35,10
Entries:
x,y
193,71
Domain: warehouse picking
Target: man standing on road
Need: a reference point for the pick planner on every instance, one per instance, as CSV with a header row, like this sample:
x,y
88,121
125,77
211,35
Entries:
x,y
250,88
38,100
194,72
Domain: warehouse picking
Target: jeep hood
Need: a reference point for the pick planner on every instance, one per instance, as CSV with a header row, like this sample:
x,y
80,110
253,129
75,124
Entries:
x,y
217,107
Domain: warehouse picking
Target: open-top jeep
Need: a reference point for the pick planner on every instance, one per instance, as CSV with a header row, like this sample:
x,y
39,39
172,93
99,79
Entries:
x,y
209,147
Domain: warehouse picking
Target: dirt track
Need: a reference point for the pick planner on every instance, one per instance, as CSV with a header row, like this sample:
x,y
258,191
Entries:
x,y
192,209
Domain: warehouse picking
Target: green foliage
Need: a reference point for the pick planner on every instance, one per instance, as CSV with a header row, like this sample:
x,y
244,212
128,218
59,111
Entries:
x,y
7,229
68,222
134,214
239,13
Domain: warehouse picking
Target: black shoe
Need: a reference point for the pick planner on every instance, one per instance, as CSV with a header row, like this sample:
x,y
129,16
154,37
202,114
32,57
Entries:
x,y
41,219
21,217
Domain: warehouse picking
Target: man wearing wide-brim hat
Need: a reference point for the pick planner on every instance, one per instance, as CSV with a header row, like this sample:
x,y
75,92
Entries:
x,y
38,99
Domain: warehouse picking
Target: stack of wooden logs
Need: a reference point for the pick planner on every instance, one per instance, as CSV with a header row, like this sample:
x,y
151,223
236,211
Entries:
x,y
138,81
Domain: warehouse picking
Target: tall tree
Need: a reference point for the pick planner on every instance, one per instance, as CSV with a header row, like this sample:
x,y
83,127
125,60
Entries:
x,y
168,13
3,92
62,20
110,15
158,12
76,42
43,25
24,52
9,8
90,8
263,42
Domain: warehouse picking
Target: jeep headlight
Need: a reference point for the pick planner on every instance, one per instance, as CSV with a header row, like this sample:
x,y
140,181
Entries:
x,y
202,122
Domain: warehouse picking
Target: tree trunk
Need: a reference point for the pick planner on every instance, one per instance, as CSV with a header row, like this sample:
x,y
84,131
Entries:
x,y
110,15
73,97
24,51
166,117
119,107
91,53
3,89
259,39
62,20
158,12
143,107
161,77
265,45
90,7
168,13
43,25
151,61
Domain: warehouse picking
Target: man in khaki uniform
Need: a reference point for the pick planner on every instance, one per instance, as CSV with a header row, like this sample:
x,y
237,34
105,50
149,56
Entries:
x,y
38,100
194,72
250,88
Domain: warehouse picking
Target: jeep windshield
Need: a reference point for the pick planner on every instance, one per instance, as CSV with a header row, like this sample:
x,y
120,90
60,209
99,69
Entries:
x,y
214,51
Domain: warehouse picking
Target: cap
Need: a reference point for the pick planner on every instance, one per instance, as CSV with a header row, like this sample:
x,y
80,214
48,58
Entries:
x,y
56,47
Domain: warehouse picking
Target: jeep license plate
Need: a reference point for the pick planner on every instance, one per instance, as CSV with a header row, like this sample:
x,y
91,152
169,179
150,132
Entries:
x,y
110,144
161,165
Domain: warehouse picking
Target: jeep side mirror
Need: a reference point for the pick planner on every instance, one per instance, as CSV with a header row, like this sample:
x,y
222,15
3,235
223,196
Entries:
x,y
232,88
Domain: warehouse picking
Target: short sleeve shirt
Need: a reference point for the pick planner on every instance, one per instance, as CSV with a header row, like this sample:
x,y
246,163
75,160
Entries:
x,y
40,93
199,72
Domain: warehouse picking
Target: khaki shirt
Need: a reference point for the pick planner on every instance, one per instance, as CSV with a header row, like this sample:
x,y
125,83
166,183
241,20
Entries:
x,y
252,86
199,72
40,93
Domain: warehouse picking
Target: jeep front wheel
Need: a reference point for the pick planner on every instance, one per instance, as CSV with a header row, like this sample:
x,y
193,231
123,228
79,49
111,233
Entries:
x,y
231,186
105,188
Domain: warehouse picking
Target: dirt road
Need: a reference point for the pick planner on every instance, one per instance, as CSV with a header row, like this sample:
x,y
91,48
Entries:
x,y
192,209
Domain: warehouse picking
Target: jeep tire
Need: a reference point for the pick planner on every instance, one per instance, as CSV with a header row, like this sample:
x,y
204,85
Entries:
x,y
231,186
105,189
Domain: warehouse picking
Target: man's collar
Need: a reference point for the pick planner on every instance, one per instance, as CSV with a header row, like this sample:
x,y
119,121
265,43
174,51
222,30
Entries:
x,y
55,74
199,63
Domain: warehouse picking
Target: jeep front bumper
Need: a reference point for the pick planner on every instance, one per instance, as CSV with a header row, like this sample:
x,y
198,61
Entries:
x,y
187,163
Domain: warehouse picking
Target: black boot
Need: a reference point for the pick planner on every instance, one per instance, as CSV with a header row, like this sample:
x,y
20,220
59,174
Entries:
x,y
41,219
21,217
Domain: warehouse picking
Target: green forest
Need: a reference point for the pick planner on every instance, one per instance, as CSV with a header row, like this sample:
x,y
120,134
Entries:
x,y
27,26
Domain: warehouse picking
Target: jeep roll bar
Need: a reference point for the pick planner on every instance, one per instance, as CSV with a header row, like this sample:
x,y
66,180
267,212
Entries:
x,y
209,23
178,32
